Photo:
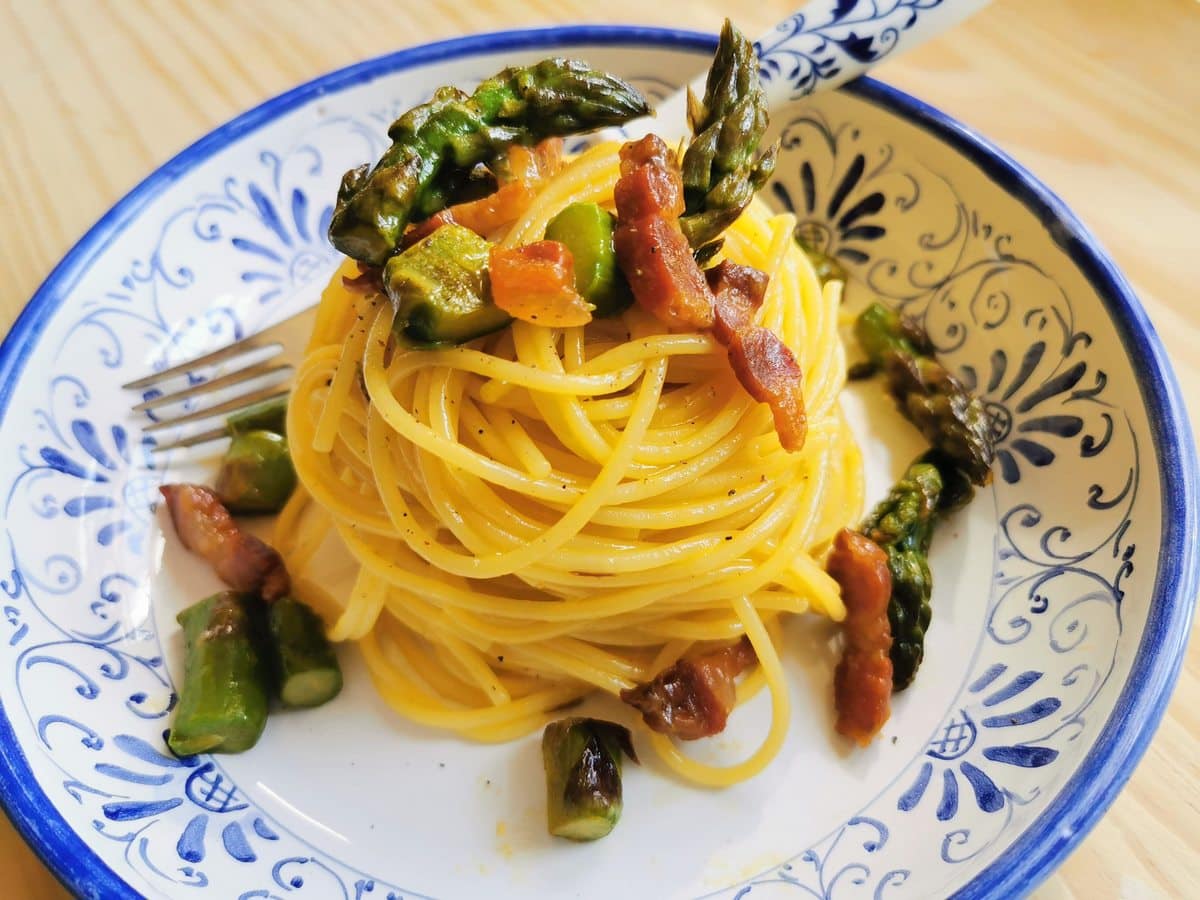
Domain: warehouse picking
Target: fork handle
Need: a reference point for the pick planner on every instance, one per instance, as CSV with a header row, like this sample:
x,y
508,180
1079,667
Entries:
x,y
820,46
828,42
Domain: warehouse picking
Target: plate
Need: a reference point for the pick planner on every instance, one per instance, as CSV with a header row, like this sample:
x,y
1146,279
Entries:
x,y
1063,598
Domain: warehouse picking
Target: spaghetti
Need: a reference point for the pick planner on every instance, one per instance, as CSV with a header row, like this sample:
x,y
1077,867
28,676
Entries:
x,y
545,513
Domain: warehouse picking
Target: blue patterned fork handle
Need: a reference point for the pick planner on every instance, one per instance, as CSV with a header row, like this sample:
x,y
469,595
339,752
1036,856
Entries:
x,y
820,46
828,42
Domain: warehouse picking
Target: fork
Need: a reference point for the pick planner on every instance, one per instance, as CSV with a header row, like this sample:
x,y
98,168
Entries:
x,y
254,369
822,45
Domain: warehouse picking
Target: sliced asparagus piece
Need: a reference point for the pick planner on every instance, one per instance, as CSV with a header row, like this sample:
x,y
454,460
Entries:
x,y
256,474
587,231
582,758
306,667
439,289
223,702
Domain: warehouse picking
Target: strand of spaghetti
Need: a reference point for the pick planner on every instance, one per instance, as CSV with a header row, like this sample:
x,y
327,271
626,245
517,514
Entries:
x,y
366,600
331,321
768,660
776,303
343,378
305,537
686,402
316,470
564,528
585,384
444,717
517,439
283,535
392,566
617,362
546,656
480,672
563,414
829,381
722,503
475,498
715,548
496,525
670,652
574,347
422,672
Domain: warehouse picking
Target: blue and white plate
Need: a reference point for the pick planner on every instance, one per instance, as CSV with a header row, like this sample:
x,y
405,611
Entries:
x,y
1062,600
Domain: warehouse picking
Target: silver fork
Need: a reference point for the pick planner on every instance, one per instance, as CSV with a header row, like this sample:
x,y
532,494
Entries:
x,y
258,367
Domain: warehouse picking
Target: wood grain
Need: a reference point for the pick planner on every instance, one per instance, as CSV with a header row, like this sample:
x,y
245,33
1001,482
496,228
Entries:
x,y
1098,97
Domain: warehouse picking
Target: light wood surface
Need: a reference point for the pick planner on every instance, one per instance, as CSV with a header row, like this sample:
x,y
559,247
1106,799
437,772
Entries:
x,y
1100,98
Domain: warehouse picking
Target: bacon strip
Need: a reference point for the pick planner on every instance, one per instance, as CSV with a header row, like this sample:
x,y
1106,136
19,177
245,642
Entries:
x,y
240,559
650,247
536,283
763,363
862,684
693,697
738,292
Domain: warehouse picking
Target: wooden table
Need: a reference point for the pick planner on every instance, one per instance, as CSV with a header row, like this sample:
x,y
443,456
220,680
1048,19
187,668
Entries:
x,y
1098,97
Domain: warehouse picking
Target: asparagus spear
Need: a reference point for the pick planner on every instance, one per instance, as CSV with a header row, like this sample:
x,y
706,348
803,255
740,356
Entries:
x,y
432,144
582,758
223,702
720,171
957,490
949,417
256,474
902,524
306,667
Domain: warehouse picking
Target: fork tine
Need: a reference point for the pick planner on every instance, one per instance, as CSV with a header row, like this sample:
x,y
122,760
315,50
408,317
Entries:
x,y
242,347
247,344
227,407
213,434
204,387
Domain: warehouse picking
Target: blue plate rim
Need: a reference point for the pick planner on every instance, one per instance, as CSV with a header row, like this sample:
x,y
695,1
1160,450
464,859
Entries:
x,y
1127,733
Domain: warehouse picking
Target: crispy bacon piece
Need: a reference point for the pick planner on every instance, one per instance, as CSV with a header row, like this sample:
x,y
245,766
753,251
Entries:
x,y
650,182
738,292
693,697
763,363
524,171
240,559
536,283
769,372
651,248
862,684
